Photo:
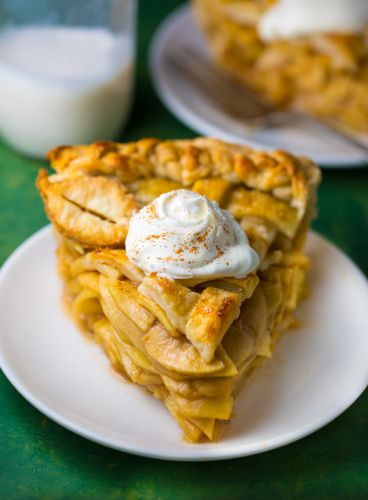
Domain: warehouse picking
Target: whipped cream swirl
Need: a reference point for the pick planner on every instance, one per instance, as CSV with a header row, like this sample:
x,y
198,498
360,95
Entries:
x,y
293,18
182,234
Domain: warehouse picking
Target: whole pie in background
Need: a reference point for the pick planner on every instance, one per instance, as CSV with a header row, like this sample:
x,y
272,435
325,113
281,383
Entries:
x,y
184,260
295,52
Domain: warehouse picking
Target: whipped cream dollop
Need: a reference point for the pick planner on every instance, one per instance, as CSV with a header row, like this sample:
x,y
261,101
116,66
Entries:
x,y
293,18
182,234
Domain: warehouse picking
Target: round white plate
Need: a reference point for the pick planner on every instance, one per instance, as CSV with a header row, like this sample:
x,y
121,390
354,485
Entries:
x,y
192,107
315,374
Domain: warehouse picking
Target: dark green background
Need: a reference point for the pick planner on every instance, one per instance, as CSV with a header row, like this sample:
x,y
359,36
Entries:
x,y
39,459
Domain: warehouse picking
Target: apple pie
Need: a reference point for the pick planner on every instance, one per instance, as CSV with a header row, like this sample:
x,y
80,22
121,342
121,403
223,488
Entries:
x,y
184,260
295,63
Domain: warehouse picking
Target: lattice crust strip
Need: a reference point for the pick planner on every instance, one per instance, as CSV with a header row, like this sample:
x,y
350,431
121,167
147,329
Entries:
x,y
191,343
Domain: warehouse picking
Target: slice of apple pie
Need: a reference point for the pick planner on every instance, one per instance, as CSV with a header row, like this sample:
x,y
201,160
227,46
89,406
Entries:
x,y
184,259
310,55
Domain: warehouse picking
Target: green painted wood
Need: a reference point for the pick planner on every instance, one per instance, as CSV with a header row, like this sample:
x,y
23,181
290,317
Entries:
x,y
41,460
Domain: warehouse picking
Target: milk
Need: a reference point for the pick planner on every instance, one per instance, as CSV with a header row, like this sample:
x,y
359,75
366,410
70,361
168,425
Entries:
x,y
61,85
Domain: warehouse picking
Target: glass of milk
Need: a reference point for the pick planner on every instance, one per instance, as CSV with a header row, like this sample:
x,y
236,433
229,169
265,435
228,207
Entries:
x,y
66,71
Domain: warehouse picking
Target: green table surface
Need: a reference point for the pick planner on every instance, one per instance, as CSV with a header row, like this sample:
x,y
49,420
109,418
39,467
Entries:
x,y
40,459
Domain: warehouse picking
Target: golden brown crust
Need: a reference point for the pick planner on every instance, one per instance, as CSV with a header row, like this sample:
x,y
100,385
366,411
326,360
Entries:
x,y
88,202
187,161
92,210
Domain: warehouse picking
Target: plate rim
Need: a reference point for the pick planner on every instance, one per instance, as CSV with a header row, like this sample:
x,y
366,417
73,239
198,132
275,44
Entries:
x,y
197,123
208,454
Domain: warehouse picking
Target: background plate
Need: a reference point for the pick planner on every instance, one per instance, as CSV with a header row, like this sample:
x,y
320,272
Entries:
x,y
315,374
190,106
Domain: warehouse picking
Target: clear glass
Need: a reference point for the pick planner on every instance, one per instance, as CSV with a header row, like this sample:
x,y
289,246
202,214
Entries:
x,y
66,71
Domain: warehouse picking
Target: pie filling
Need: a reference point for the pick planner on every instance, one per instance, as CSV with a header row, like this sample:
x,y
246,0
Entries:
x,y
211,273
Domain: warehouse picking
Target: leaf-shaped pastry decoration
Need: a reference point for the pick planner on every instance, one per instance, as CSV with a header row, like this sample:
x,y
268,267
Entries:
x,y
95,211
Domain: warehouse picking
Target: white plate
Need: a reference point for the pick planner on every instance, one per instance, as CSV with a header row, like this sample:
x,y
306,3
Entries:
x,y
191,106
315,374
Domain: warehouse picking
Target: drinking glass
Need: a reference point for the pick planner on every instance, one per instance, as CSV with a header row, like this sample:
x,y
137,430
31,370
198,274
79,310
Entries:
x,y
66,71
